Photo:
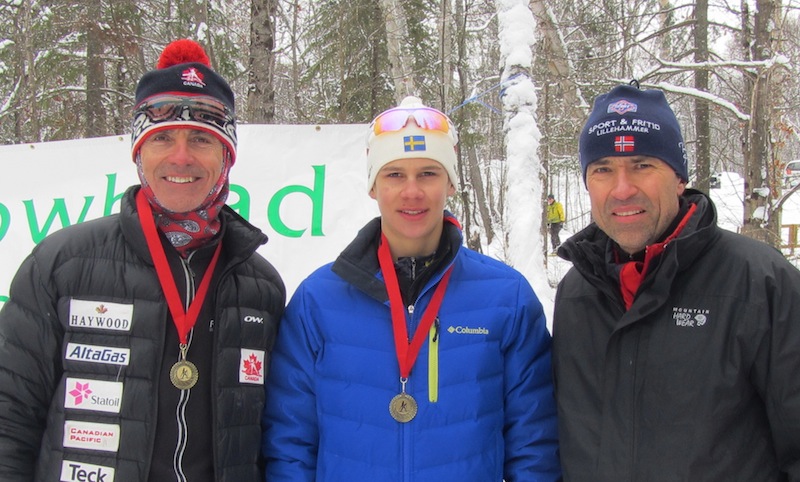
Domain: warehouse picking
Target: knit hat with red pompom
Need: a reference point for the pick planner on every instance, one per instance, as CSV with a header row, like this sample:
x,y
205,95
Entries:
x,y
184,91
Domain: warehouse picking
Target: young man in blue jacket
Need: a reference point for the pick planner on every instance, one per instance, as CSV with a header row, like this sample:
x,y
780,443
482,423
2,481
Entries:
x,y
412,357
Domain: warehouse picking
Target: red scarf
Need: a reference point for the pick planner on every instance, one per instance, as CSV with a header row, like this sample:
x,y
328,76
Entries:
x,y
191,230
633,272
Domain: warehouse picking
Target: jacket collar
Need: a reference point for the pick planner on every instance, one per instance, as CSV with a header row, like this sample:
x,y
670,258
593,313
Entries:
x,y
358,262
592,252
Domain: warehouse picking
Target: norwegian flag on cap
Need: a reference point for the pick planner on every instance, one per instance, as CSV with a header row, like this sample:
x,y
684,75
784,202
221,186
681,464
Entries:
x,y
623,144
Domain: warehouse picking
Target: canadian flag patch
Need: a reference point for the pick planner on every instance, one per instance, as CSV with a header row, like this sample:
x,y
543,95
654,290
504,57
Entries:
x,y
251,367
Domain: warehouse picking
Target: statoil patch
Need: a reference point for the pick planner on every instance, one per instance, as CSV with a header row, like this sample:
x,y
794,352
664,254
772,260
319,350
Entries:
x,y
97,395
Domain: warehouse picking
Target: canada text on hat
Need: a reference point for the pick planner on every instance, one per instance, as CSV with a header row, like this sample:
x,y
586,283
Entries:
x,y
184,91
410,136
628,121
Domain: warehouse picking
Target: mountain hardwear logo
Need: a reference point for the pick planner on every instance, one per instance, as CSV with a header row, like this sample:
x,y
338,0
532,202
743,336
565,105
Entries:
x,y
690,317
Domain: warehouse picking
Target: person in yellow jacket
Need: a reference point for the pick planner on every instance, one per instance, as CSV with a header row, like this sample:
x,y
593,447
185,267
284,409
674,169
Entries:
x,y
555,219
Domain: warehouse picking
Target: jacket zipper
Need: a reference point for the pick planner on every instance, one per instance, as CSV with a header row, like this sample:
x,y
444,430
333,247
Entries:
x,y
406,473
433,362
180,448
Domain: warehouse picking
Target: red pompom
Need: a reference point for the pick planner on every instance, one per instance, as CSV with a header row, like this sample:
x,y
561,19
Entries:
x,y
181,52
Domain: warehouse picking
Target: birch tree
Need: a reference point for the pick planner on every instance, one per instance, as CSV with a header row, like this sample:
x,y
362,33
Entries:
x,y
261,89
396,42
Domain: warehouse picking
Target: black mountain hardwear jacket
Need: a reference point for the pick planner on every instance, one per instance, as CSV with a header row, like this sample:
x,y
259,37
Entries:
x,y
699,380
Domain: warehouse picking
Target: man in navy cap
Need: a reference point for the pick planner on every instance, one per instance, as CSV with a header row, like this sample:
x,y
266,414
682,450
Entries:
x,y
676,343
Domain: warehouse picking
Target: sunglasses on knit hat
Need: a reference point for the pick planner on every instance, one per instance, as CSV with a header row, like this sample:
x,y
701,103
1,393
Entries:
x,y
426,118
168,107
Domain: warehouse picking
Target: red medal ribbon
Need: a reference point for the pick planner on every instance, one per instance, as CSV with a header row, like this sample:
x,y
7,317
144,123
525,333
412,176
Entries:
x,y
407,351
184,321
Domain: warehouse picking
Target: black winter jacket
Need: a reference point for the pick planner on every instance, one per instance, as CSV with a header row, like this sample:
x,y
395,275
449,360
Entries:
x,y
699,380
81,346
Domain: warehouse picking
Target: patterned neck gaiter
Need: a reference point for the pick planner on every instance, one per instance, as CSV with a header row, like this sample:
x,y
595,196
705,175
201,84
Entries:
x,y
191,230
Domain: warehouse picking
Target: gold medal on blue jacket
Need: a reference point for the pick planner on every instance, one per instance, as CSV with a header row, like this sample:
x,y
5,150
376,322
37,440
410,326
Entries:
x,y
403,407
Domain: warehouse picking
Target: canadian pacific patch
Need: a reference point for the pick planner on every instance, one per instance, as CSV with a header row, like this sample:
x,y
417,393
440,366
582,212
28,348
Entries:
x,y
100,315
91,436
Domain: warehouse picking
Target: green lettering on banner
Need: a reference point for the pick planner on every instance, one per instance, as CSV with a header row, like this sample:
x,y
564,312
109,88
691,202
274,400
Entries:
x,y
3,298
242,206
111,198
5,220
317,197
60,210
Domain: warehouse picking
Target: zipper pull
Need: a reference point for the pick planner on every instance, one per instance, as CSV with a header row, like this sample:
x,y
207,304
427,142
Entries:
x,y
436,329
410,309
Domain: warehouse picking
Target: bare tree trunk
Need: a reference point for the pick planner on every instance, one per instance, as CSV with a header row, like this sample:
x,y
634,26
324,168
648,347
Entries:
x,y
748,81
445,52
473,191
261,89
702,118
396,41
760,148
559,85
95,72
26,117
295,56
558,60
126,64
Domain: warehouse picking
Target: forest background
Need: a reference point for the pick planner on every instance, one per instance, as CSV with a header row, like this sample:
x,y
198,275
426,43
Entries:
x,y
729,68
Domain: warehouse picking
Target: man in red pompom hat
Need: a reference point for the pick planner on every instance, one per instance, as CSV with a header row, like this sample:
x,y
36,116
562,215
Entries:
x,y
134,347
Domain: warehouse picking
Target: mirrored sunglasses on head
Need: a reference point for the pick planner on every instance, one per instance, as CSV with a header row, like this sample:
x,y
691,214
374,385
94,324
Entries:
x,y
174,107
425,117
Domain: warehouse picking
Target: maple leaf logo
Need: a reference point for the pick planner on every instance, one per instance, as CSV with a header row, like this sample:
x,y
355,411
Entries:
x,y
252,366
80,392
193,76
101,309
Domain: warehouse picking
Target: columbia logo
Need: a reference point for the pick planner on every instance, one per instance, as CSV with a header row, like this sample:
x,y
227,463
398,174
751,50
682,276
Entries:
x,y
466,330
690,317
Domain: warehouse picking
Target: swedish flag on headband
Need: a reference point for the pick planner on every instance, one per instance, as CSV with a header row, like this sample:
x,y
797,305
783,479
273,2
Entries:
x,y
414,143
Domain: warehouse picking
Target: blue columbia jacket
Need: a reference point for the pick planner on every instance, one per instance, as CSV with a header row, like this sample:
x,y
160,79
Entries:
x,y
482,380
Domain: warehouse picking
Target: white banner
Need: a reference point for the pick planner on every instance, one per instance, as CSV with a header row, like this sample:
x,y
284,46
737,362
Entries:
x,y
303,185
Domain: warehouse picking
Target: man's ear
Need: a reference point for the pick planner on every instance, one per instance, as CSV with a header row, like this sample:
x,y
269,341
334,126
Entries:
x,y
681,186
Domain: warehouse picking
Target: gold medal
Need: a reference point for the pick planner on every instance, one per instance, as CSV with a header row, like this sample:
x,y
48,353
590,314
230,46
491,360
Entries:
x,y
183,374
403,408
